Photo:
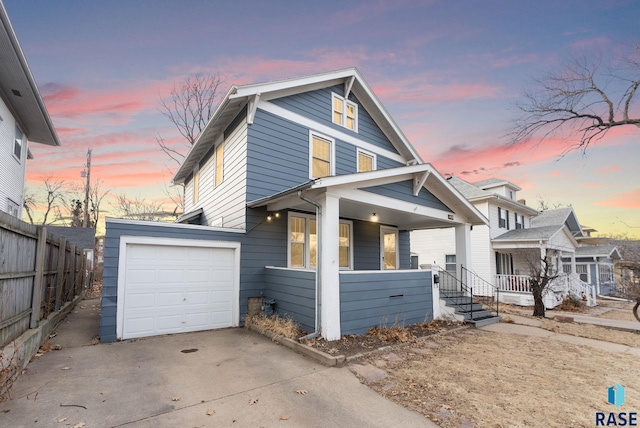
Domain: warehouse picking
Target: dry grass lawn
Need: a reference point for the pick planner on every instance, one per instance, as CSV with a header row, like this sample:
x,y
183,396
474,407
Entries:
x,y
483,379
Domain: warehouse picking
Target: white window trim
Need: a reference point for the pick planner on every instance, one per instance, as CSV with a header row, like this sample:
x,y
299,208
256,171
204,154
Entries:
x,y
345,102
374,160
195,192
13,146
307,248
332,153
215,165
350,266
387,229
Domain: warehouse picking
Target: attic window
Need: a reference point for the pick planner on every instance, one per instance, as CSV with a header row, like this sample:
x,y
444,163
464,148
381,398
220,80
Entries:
x,y
16,92
345,112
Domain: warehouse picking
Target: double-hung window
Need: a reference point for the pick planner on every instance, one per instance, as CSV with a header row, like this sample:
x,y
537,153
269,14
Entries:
x,y
303,242
17,145
321,150
366,161
519,221
503,218
345,112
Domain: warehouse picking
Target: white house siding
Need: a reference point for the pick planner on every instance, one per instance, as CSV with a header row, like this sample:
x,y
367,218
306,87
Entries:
x,y
433,245
12,173
227,201
482,254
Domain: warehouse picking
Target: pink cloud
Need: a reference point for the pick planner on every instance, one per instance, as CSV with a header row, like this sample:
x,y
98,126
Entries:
x,y
627,200
614,168
420,89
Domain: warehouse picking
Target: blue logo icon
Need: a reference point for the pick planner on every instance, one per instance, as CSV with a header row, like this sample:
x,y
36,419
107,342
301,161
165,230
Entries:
x,y
616,395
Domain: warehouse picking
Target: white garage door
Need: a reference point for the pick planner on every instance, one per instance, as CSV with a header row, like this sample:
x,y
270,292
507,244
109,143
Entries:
x,y
175,286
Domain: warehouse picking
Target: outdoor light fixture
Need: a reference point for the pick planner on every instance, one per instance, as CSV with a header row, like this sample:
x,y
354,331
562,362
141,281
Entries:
x,y
269,217
374,217
272,216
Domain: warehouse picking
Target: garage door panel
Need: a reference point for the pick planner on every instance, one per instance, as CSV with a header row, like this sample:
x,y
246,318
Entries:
x,y
174,289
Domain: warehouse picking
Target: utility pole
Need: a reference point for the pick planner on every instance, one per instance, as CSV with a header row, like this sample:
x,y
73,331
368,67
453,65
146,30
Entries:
x,y
85,222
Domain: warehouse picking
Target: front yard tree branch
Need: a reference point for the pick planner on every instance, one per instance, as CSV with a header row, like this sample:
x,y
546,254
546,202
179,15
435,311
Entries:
x,y
189,107
581,100
542,274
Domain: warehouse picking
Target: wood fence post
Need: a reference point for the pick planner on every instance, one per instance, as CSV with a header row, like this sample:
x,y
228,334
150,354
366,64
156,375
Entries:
x,y
62,245
72,273
36,302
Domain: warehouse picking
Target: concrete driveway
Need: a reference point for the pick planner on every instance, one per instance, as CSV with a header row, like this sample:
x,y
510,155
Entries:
x,y
154,383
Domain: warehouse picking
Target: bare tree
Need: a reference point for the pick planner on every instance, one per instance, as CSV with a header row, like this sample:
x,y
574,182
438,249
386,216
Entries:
x,y
139,209
55,197
189,107
541,275
95,200
582,98
30,204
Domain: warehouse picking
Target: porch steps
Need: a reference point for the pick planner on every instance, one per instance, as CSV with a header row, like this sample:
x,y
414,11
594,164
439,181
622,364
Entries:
x,y
462,305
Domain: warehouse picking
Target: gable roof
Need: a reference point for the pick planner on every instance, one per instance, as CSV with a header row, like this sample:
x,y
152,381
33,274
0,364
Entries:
x,y
561,216
19,90
475,193
490,183
609,251
249,95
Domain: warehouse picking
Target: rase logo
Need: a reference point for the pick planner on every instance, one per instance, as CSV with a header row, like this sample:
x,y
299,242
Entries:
x,y
615,396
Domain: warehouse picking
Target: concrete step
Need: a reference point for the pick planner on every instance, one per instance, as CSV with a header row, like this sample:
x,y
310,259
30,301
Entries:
x,y
476,314
467,307
480,322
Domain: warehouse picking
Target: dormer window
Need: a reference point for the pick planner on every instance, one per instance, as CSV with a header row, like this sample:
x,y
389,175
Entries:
x,y
345,112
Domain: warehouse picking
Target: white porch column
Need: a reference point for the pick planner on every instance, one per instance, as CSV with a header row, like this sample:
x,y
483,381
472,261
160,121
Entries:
x,y
573,263
463,250
329,265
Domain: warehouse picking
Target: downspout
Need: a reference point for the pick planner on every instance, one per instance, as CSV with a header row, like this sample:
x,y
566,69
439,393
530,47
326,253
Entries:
x,y
316,333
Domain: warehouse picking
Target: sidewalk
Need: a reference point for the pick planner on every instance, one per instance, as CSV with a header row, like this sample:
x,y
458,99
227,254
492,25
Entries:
x,y
532,327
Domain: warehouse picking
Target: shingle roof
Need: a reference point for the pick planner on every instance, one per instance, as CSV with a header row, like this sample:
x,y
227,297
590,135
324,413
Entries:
x,y
542,233
551,217
467,189
597,251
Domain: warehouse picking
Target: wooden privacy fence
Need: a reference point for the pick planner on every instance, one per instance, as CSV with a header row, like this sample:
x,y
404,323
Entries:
x,y
39,273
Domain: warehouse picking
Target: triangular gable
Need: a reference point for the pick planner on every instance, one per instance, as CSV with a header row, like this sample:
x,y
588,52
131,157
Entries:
x,y
250,95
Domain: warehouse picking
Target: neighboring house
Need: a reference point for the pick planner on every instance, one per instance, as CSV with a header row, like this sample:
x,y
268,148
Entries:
x,y
505,252
595,264
302,192
81,237
23,118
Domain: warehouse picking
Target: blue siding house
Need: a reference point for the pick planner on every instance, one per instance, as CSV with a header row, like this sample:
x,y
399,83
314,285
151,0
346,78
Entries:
x,y
303,191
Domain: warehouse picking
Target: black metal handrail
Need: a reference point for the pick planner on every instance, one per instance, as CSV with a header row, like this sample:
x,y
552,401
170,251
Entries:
x,y
450,284
476,279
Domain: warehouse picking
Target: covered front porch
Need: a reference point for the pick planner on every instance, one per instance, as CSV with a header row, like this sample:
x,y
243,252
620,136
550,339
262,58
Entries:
x,y
348,249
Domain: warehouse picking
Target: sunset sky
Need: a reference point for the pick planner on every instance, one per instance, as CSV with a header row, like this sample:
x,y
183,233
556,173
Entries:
x,y
449,73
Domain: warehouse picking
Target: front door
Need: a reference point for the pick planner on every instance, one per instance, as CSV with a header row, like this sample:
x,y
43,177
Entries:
x,y
388,248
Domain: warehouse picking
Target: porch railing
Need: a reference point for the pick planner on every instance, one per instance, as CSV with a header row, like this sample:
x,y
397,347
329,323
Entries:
x,y
518,283
581,289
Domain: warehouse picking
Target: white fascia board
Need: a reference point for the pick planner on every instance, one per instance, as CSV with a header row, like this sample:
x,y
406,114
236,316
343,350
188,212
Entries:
x,y
372,178
326,130
294,85
186,167
173,225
